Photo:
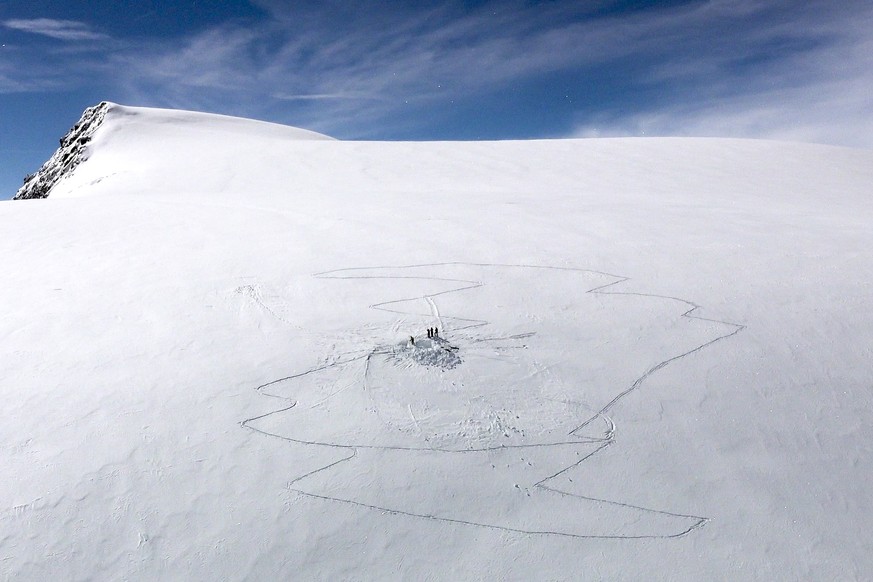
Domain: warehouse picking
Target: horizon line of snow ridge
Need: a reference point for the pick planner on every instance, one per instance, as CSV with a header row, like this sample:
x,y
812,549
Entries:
x,y
74,145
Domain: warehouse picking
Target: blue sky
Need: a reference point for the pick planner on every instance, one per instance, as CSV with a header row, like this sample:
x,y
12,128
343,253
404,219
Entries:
x,y
474,69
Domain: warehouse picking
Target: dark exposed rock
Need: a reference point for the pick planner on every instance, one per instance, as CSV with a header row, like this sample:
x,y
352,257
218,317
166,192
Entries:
x,y
70,154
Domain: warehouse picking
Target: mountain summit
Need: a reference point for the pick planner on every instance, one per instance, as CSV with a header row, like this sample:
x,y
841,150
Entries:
x,y
136,125
72,151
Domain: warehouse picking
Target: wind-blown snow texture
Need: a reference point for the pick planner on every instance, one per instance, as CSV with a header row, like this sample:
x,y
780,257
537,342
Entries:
x,y
652,359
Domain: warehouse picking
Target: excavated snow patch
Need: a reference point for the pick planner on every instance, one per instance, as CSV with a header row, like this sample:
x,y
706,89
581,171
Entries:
x,y
432,352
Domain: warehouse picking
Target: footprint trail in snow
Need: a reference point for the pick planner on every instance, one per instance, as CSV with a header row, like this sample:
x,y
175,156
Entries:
x,y
491,423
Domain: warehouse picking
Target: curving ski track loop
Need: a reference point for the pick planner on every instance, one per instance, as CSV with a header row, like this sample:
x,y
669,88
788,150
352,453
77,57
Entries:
x,y
460,324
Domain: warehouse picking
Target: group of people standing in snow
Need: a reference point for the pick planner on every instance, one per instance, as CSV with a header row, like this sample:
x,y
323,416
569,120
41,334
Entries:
x,y
431,332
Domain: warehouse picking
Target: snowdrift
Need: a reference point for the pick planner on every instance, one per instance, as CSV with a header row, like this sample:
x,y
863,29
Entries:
x,y
652,357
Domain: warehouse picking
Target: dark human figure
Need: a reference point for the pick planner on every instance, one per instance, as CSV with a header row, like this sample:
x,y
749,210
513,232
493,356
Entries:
x,y
412,340
436,332
430,332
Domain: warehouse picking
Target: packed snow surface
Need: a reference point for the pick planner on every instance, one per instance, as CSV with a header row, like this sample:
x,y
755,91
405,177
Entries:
x,y
651,359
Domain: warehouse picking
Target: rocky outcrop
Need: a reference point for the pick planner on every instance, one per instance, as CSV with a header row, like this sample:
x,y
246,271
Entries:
x,y
71,153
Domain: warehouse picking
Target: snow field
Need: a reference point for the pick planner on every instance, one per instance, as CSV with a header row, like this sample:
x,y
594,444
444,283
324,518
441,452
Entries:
x,y
191,262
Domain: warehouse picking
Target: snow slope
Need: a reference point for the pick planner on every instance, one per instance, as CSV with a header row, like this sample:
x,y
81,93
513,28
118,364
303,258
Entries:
x,y
185,129
653,359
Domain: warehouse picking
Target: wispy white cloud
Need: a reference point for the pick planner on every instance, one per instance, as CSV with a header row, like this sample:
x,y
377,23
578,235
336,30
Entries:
x,y
22,72
359,77
320,96
752,68
59,29
822,92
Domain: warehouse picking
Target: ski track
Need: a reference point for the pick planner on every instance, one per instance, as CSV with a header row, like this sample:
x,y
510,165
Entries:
x,y
465,324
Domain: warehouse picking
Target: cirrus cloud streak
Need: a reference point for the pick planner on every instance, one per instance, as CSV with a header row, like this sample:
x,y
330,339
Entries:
x,y
70,30
746,68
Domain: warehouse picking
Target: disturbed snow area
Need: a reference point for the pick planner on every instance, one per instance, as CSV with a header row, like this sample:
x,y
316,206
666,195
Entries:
x,y
435,352
652,363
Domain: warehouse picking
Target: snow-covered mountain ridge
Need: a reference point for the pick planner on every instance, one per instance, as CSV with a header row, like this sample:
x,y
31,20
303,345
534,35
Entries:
x,y
71,153
651,359
191,153
74,146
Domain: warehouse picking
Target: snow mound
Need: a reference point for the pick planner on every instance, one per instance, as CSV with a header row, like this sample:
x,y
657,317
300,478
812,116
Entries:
x,y
433,352
162,141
